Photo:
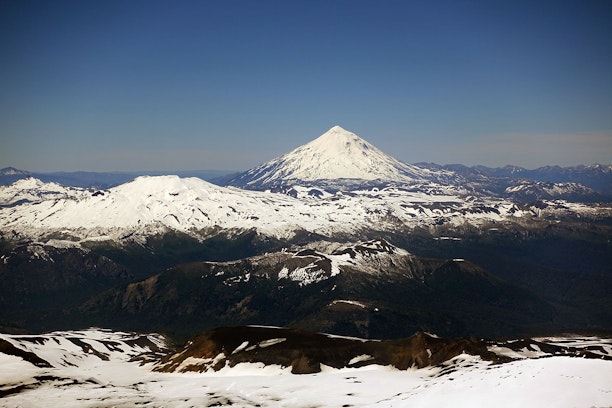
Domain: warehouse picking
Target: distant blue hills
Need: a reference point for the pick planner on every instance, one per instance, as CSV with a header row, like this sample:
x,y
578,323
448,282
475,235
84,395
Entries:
x,y
596,176
102,180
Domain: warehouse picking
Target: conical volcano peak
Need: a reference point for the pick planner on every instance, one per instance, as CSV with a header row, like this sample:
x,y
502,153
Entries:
x,y
335,155
338,130
338,142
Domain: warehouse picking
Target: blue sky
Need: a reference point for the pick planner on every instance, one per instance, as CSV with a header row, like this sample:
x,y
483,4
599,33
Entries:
x,y
185,85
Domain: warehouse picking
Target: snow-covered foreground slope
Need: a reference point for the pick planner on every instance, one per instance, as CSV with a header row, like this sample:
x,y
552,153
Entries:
x,y
150,205
103,375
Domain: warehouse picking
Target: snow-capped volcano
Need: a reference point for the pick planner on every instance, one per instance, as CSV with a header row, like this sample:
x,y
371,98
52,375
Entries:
x,y
336,154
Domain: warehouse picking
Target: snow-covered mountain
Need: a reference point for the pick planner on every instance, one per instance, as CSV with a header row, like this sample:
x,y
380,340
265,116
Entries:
x,y
11,171
528,191
339,160
32,190
9,175
154,205
334,156
597,177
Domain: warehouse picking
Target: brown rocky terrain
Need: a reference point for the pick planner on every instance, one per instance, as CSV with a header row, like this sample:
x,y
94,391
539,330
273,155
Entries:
x,y
305,352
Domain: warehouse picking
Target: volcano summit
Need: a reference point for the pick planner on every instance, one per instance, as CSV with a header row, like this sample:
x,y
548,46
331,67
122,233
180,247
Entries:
x,y
337,155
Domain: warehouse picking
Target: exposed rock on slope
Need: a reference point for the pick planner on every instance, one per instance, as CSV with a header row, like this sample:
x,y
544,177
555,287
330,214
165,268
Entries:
x,y
305,352
369,289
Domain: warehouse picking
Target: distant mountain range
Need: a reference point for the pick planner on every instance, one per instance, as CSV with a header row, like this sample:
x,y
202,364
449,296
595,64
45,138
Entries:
x,y
100,180
339,159
596,176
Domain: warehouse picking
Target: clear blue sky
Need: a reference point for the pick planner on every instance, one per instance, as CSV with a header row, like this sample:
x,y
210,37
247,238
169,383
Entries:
x,y
184,85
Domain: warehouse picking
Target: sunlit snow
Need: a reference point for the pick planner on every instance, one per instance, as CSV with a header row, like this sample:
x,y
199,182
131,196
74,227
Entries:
x,y
63,216
106,376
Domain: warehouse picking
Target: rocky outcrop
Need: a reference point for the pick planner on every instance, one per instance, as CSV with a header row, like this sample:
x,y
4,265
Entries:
x,y
306,352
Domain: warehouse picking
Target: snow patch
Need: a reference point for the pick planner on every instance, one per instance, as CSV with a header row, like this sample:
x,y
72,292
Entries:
x,y
241,347
349,302
270,342
359,359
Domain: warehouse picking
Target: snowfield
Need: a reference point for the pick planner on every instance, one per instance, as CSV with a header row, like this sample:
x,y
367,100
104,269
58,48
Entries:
x,y
147,206
96,368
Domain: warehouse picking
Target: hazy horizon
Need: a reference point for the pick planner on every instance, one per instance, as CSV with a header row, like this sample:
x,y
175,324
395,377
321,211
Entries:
x,y
223,172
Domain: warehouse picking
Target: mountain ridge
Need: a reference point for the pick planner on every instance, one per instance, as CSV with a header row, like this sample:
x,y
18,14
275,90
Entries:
x,y
367,289
156,205
596,176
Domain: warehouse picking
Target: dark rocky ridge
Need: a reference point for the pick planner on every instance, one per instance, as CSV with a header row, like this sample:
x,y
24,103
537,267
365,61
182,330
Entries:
x,y
306,352
378,293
